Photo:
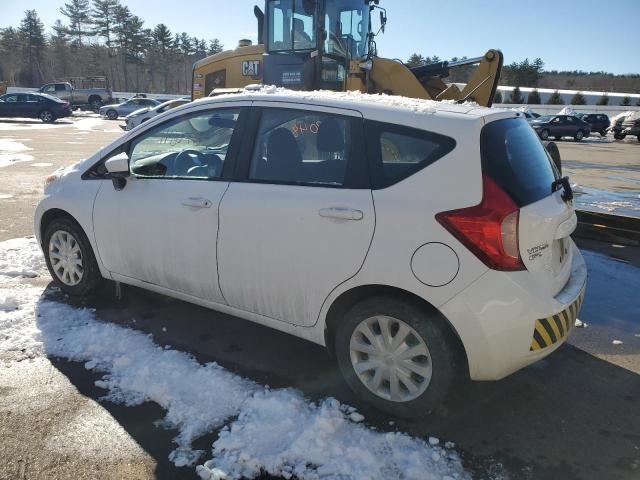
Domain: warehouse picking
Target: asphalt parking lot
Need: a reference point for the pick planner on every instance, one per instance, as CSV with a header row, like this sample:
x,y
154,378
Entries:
x,y
573,415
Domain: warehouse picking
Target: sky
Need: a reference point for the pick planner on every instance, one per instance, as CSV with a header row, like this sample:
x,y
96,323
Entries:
x,y
588,35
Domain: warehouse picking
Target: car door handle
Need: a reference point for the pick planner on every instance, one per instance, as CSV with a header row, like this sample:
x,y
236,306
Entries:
x,y
341,213
197,202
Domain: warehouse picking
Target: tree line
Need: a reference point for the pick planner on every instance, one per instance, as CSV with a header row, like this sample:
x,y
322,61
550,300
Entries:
x,y
101,38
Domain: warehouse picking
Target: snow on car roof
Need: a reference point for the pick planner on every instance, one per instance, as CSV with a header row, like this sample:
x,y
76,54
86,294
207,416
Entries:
x,y
356,100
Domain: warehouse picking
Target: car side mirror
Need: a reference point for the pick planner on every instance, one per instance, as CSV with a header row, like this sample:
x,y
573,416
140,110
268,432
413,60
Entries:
x,y
118,170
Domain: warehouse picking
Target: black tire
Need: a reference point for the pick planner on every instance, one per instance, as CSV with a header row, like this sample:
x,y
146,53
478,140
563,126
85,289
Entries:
x,y
95,103
618,136
112,114
433,332
553,150
557,138
91,277
544,134
603,133
47,116
578,136
639,137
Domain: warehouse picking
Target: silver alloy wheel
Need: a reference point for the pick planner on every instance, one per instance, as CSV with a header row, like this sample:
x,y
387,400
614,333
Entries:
x,y
579,135
46,116
390,358
66,257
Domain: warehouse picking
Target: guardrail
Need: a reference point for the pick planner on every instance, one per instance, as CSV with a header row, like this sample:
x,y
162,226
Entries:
x,y
605,227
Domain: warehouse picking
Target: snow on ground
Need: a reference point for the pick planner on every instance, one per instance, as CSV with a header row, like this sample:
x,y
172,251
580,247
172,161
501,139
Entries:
x,y
11,152
27,124
277,431
94,123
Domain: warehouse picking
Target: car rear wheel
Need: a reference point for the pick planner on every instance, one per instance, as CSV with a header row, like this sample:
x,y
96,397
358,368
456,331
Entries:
x,y
112,114
618,136
95,105
603,133
544,134
579,135
70,258
47,116
395,357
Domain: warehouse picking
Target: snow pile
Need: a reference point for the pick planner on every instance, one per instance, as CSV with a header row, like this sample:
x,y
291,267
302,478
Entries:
x,y
21,257
277,431
356,98
10,152
567,111
281,433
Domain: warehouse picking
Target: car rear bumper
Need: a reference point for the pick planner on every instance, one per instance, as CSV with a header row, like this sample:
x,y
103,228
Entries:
x,y
506,321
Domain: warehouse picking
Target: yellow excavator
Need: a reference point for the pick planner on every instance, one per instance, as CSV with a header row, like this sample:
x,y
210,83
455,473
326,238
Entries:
x,y
331,45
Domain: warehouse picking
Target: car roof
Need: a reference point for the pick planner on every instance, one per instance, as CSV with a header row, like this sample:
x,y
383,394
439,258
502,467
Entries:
x,y
367,104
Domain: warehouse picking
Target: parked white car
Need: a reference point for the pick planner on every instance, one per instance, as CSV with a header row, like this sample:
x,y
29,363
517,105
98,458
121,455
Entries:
x,y
416,240
112,112
142,115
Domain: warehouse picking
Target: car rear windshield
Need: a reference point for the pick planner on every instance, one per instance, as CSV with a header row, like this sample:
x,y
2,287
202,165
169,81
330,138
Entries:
x,y
514,157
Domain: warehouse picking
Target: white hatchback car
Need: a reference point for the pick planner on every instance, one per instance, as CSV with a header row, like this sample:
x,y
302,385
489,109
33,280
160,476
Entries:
x,y
416,240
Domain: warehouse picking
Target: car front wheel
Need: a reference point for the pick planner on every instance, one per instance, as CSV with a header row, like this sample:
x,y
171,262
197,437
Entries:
x,y
47,116
544,134
112,115
603,133
70,258
395,357
579,135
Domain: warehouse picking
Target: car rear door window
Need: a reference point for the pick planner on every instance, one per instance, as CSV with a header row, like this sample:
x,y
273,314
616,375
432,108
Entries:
x,y
397,152
192,146
304,147
514,158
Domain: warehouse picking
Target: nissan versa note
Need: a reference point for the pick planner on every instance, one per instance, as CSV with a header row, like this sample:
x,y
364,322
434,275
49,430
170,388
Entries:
x,y
417,240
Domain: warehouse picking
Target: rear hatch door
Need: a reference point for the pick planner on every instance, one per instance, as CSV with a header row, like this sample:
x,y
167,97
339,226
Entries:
x,y
514,157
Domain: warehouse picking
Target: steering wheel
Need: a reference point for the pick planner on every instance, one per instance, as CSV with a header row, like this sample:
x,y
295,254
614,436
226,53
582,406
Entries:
x,y
187,159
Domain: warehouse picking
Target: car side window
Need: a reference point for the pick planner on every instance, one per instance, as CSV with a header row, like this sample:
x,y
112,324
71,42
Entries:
x,y
302,147
11,98
49,89
570,120
60,88
192,146
33,98
398,152
556,120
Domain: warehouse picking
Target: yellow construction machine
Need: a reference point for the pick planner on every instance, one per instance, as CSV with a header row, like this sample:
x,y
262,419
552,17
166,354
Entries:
x,y
331,45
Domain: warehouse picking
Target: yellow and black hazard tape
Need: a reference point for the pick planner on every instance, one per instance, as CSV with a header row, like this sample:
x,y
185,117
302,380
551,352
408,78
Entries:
x,y
552,329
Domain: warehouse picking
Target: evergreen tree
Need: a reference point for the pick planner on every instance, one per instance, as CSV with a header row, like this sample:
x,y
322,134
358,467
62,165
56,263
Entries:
x,y
10,53
578,99
603,100
215,46
555,99
497,98
534,97
103,18
78,13
626,101
515,97
415,60
32,32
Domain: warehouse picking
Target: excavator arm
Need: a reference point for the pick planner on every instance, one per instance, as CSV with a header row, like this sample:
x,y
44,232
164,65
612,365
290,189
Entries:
x,y
395,78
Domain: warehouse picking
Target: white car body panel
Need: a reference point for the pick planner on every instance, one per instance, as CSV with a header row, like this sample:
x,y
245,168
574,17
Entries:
x,y
285,268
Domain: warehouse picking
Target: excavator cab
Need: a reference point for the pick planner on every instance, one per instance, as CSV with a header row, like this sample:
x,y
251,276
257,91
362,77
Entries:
x,y
310,44
330,45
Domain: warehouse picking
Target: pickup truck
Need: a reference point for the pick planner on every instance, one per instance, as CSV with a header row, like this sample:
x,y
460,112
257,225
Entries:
x,y
78,97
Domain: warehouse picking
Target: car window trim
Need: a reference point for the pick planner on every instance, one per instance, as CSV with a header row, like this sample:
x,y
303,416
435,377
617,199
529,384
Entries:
x,y
357,173
227,168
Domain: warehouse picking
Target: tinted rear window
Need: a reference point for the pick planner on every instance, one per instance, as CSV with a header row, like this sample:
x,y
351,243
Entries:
x,y
514,157
397,152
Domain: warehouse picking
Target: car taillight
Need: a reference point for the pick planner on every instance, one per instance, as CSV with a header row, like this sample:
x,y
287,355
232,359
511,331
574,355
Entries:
x,y
490,229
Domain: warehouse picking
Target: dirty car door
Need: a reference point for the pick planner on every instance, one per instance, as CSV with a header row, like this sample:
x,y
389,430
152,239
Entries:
x,y
303,220
162,227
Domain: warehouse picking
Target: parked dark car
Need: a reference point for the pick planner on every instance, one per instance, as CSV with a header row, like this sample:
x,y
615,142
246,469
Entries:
x,y
631,126
559,126
599,122
34,105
